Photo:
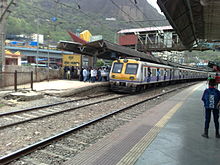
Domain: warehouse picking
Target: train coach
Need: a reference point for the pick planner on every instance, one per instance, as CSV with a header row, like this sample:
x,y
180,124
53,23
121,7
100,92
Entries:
x,y
131,75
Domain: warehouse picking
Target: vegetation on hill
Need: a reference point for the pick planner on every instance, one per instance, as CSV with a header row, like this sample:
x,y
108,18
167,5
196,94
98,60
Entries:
x,y
197,56
55,17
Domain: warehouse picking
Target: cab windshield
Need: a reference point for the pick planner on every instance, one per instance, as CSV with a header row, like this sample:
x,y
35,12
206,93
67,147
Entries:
x,y
131,69
117,68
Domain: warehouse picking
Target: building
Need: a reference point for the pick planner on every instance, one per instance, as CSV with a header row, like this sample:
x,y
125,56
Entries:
x,y
149,39
12,58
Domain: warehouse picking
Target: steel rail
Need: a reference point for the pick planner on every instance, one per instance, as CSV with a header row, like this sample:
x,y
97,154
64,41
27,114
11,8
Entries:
x,y
24,151
49,105
55,113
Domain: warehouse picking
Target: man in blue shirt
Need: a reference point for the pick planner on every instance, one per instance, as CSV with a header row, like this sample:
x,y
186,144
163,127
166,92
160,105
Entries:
x,y
211,99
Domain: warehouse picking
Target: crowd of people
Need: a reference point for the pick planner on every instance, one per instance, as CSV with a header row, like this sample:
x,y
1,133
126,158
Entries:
x,y
94,74
86,74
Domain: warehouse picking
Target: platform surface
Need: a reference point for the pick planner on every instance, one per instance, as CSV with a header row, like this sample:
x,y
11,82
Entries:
x,y
167,134
180,141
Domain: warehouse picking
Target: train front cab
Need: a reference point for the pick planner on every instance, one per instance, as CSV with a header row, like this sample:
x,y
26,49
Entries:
x,y
124,75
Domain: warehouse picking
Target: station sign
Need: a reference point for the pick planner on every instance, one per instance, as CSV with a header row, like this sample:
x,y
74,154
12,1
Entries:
x,y
71,60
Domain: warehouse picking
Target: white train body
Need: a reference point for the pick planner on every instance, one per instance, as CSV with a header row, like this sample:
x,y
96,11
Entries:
x,y
133,75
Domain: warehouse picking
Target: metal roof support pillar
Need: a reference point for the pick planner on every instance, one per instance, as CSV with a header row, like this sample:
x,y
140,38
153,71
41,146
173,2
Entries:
x,y
191,20
3,10
95,59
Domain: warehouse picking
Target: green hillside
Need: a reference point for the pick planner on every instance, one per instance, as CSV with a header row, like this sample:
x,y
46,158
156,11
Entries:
x,y
38,16
196,56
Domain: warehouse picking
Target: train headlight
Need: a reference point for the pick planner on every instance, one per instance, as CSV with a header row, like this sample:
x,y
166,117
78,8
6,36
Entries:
x,y
131,78
113,76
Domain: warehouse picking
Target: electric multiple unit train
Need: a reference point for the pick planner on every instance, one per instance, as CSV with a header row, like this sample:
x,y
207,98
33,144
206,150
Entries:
x,y
130,75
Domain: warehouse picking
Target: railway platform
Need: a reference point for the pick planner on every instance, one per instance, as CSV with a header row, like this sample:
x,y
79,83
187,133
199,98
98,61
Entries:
x,y
167,134
53,87
66,87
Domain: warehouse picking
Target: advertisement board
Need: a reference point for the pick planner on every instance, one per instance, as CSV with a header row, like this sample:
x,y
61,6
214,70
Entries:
x,y
71,60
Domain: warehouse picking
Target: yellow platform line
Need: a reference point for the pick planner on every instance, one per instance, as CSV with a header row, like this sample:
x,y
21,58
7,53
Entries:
x,y
132,156
138,149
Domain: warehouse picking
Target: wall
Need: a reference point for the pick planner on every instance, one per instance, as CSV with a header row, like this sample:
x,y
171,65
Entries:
x,y
24,74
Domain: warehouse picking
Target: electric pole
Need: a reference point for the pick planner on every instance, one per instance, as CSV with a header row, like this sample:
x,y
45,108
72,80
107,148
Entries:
x,y
4,12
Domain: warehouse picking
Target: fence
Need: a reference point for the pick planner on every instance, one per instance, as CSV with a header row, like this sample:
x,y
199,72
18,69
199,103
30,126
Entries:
x,y
16,78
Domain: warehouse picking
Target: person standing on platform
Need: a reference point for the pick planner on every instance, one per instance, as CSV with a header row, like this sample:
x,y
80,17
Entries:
x,y
89,75
93,75
99,74
211,99
81,74
68,76
217,79
209,78
84,74
72,72
65,69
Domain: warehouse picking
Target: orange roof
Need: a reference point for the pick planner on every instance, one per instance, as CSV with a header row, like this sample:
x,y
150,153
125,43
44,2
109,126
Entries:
x,y
9,53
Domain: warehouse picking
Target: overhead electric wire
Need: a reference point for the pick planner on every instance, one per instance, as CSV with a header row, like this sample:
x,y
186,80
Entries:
x,y
62,17
80,10
143,14
133,20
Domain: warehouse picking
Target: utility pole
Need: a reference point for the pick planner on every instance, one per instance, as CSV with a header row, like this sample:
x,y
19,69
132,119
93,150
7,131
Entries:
x,y
3,5
4,12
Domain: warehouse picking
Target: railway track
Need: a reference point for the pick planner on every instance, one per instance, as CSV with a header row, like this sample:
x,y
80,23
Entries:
x,y
59,148
25,115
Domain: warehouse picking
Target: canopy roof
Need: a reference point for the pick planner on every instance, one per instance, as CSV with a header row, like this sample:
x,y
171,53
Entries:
x,y
107,50
193,20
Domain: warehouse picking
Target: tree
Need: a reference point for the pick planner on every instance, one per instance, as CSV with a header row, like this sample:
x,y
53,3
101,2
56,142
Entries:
x,y
100,63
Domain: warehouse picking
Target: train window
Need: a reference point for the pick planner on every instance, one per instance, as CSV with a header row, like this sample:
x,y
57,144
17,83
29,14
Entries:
x,y
131,69
154,72
117,68
161,72
167,72
176,73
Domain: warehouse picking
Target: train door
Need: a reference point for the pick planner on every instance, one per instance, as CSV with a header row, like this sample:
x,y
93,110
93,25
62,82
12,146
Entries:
x,y
142,72
145,73
180,74
165,74
158,74
149,74
171,74
162,74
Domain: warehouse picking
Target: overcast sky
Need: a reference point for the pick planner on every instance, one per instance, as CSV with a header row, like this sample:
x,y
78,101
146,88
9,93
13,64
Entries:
x,y
154,4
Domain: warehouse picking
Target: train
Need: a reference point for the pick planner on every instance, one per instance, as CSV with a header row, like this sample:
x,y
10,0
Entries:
x,y
133,75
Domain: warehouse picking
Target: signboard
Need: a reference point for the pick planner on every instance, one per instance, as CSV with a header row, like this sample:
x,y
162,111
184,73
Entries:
x,y
96,38
71,60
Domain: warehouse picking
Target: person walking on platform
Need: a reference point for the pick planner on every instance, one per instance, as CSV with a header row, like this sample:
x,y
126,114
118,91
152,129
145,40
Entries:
x,y
211,99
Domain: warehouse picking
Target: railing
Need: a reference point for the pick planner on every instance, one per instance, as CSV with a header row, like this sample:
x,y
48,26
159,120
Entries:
x,y
15,79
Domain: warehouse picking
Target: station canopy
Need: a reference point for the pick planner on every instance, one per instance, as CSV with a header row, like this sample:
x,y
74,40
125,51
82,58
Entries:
x,y
106,50
194,20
